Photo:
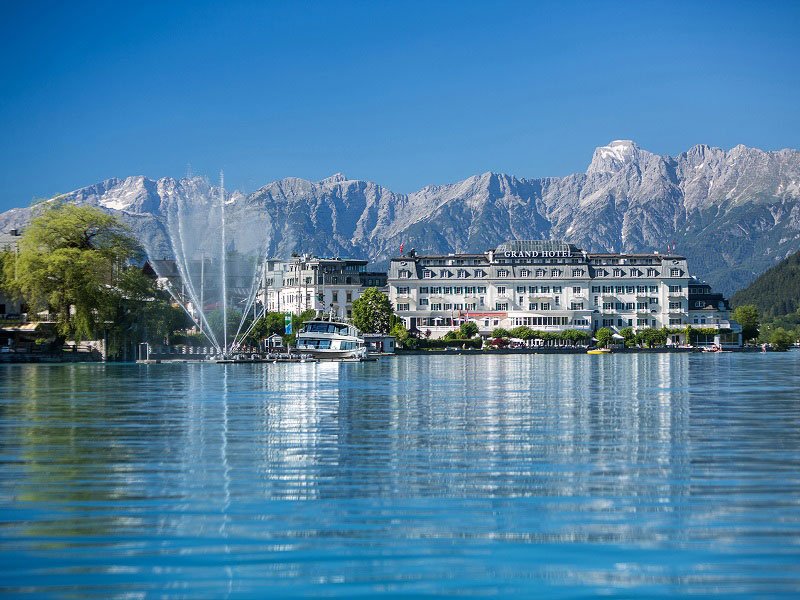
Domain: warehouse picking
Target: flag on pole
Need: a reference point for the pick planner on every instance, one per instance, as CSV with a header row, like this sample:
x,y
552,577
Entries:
x,y
402,245
287,323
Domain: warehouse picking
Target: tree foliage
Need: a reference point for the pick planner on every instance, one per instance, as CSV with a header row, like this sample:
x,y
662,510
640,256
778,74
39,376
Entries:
x,y
776,292
469,329
604,336
71,261
747,316
372,311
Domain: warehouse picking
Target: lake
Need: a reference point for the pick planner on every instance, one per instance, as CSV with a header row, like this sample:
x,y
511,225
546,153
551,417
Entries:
x,y
548,475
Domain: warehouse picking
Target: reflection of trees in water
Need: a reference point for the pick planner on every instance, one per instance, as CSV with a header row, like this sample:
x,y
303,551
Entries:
x,y
79,436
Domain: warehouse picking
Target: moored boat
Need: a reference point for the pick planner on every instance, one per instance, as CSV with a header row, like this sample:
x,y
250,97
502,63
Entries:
x,y
599,351
331,340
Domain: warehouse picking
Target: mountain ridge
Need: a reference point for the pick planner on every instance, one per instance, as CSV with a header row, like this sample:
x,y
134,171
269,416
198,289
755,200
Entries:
x,y
732,213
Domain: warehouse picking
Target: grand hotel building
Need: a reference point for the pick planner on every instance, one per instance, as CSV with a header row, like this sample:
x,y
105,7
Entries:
x,y
549,286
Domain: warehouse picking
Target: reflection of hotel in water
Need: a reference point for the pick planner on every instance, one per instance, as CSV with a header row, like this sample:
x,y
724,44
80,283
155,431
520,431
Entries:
x,y
552,286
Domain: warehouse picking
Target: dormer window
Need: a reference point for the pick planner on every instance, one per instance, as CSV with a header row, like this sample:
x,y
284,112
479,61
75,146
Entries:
x,y
427,274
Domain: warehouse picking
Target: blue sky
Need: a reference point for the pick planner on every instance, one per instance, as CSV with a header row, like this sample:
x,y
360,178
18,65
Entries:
x,y
405,94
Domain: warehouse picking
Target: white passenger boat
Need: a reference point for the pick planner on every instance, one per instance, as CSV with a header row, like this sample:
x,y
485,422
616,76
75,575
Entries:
x,y
331,339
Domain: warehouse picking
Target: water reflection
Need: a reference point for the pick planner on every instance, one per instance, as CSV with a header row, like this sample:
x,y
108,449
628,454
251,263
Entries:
x,y
498,474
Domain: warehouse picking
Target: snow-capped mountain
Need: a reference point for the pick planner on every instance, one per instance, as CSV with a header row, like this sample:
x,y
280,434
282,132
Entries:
x,y
732,213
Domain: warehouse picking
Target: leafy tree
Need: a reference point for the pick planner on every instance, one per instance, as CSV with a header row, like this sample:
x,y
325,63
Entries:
x,y
780,339
574,336
469,329
70,261
747,316
270,324
629,336
604,336
372,311
499,332
522,332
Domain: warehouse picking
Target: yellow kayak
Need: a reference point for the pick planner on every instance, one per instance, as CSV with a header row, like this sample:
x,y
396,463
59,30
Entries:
x,y
599,351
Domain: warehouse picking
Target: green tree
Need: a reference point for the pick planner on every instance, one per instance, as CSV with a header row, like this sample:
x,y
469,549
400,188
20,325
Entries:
x,y
372,311
780,339
604,336
747,316
500,332
522,332
70,261
629,336
469,330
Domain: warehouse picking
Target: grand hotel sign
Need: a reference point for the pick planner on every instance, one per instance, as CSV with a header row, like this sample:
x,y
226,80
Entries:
x,y
537,253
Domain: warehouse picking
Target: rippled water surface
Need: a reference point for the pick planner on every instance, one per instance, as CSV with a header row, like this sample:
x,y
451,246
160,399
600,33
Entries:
x,y
568,476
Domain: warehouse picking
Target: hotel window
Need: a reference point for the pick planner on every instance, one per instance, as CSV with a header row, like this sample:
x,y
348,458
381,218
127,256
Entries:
x,y
402,307
619,305
458,290
608,322
674,272
524,273
620,289
675,321
423,290
501,306
426,274
448,306
533,289
335,296
462,274
577,272
521,300
580,322
653,289
630,322
545,306
641,305
595,289
576,290
675,289
607,289
458,306
555,272
652,273
629,306
597,300
335,280
699,304
481,300
653,300
636,273
557,300
576,306
446,273
675,305
608,306
556,289
629,289
480,273
423,302
349,296
470,305
540,272
403,291
436,290
436,306
545,289
533,306
619,273
469,289
641,289
520,289
502,273
501,289
481,289
601,273
447,290
641,322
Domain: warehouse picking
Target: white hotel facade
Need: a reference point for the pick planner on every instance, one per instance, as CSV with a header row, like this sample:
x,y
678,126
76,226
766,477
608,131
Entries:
x,y
547,286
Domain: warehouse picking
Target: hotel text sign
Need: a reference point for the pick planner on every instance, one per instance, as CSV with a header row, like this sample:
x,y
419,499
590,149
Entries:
x,y
538,254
